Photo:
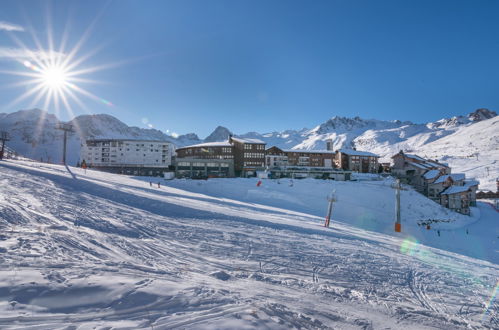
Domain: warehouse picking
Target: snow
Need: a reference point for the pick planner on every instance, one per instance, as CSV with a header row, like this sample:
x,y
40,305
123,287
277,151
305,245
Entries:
x,y
455,190
415,157
211,144
431,174
311,151
225,254
454,177
249,141
357,153
471,183
469,144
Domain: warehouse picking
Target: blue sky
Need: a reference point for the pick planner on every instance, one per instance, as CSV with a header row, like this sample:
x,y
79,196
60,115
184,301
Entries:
x,y
188,66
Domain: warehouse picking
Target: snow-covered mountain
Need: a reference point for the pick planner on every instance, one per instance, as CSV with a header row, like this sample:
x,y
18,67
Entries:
x,y
219,134
34,135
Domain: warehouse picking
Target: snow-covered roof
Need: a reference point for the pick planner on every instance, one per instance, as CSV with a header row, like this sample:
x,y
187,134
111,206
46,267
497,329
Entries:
x,y
249,141
209,144
436,164
352,152
126,140
454,190
471,183
311,151
415,157
431,174
455,177
421,165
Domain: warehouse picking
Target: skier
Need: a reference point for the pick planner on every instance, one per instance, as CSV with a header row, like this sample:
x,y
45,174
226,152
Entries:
x,y
150,184
159,185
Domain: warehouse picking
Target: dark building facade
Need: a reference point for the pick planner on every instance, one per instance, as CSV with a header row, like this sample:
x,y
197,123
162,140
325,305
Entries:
x,y
249,155
236,157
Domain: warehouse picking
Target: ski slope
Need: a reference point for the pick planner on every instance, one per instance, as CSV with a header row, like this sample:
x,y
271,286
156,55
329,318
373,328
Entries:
x,y
96,250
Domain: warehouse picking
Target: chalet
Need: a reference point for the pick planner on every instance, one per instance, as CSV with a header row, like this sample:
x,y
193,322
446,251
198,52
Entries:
x,y
356,161
459,198
413,169
435,186
434,180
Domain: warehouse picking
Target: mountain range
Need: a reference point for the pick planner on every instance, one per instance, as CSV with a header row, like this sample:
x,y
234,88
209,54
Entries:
x,y
470,143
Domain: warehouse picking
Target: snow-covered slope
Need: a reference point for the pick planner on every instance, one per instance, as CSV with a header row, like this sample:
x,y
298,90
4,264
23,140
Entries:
x,y
97,250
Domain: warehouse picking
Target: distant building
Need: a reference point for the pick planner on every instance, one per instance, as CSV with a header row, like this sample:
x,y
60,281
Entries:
x,y
123,156
434,180
249,155
292,163
235,157
275,157
212,159
411,169
356,161
312,158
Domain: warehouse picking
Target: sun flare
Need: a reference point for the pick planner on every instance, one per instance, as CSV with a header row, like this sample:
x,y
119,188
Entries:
x,y
54,77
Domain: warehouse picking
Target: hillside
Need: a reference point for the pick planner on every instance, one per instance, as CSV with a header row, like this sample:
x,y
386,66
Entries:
x,y
96,250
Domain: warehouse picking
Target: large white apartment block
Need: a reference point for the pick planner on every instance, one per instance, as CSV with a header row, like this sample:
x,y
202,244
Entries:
x,y
136,157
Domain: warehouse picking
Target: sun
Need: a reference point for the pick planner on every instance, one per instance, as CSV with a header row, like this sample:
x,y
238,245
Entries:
x,y
54,77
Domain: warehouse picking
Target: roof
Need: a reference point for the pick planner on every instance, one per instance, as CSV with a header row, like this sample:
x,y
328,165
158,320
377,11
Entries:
x,y
352,152
454,190
415,157
455,177
471,183
209,144
125,140
435,164
431,174
421,165
311,151
248,141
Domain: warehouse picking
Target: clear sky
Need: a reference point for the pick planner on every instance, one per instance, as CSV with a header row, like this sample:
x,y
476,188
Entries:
x,y
188,66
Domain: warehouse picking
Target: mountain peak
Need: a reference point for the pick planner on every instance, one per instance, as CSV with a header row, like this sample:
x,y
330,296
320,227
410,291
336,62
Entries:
x,y
219,134
481,114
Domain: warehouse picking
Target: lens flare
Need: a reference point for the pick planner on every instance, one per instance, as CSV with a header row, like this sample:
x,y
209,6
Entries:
x,y
409,246
492,299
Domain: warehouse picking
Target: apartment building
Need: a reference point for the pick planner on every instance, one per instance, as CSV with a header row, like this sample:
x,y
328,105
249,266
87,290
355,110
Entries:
x,y
204,160
356,161
133,157
249,155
